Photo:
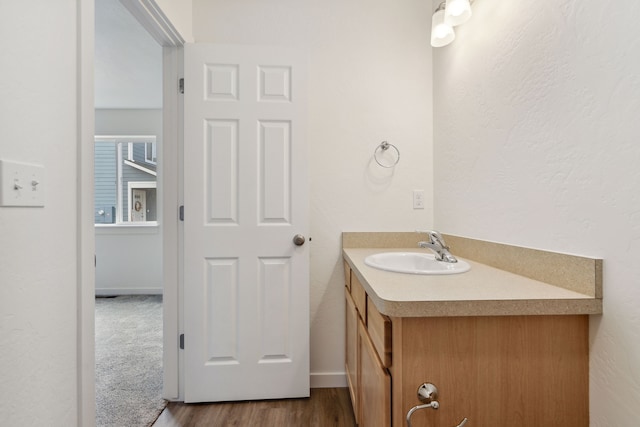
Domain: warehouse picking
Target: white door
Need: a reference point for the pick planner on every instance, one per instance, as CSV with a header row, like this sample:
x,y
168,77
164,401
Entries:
x,y
138,206
246,289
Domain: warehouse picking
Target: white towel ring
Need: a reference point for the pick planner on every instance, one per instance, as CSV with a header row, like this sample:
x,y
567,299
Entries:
x,y
382,148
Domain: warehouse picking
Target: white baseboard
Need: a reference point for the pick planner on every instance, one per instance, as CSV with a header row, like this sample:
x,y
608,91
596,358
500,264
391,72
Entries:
x,y
127,291
328,380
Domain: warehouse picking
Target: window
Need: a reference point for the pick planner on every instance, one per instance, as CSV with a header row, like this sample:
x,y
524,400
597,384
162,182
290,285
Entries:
x,y
150,152
125,180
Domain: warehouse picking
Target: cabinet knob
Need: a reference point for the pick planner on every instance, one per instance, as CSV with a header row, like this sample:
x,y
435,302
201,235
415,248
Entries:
x,y
427,393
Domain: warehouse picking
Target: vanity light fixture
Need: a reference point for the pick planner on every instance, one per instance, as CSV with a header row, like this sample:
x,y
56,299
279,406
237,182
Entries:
x,y
449,14
441,33
457,12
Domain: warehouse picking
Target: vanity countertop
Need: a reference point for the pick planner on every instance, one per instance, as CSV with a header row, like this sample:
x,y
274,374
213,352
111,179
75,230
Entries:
x,y
482,291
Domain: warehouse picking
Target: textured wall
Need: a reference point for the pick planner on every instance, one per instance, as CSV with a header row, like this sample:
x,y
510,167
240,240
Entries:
x,y
536,108
38,274
179,13
369,80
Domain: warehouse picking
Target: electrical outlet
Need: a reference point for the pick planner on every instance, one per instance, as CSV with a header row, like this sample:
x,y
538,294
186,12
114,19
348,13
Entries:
x,y
418,199
21,184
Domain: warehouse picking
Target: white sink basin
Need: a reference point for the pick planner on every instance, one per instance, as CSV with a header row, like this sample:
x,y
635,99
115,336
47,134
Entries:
x,y
414,263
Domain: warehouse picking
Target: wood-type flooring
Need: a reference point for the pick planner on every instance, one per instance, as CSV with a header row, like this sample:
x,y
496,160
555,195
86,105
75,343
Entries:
x,y
327,407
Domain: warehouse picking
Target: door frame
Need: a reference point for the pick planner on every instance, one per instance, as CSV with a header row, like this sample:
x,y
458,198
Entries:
x,y
151,17
85,247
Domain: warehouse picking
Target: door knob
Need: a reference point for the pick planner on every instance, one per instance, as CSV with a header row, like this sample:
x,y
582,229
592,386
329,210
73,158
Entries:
x,y
298,240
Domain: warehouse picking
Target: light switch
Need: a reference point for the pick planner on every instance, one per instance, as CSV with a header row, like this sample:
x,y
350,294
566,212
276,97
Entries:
x,y
418,199
21,184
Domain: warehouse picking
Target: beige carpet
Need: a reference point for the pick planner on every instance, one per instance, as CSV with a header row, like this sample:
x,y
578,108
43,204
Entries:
x,y
128,360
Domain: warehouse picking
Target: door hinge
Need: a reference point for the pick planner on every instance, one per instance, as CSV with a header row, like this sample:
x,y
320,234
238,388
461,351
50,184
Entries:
x,y
181,341
181,85
181,214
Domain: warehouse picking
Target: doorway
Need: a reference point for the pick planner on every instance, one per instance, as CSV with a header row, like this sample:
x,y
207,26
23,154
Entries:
x,y
127,214
128,134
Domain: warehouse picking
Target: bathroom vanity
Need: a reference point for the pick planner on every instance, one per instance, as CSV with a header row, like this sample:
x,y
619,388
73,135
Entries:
x,y
506,343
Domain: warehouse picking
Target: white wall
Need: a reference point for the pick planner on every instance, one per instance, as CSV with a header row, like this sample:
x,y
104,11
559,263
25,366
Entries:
x,y
128,61
179,12
38,246
129,259
369,81
536,144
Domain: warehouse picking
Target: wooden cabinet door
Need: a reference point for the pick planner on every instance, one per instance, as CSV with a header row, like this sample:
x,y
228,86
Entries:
x,y
351,352
375,385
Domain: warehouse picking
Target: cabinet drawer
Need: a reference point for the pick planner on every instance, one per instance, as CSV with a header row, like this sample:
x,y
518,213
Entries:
x,y
379,327
347,275
359,296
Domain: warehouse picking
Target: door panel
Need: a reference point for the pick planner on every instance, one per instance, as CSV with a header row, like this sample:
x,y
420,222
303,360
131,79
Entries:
x,y
221,301
275,172
275,293
221,187
246,284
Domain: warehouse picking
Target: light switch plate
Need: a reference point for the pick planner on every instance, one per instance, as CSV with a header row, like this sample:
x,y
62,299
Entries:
x,y
418,199
21,184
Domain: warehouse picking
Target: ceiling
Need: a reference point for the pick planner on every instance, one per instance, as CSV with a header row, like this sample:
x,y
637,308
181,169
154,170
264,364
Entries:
x,y
128,61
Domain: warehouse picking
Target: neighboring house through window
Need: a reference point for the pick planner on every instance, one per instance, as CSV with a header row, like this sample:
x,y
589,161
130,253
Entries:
x,y
125,180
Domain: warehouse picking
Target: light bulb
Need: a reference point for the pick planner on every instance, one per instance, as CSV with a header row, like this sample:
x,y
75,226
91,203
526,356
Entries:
x,y
457,12
441,33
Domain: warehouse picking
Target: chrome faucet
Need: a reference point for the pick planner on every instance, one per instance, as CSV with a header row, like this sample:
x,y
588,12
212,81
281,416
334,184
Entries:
x,y
436,244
